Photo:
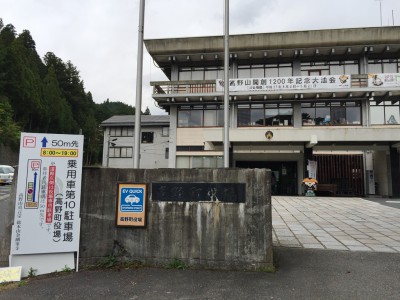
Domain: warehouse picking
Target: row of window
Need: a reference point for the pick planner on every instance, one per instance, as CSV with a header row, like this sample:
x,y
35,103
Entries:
x,y
286,69
127,152
201,116
120,131
199,162
265,114
323,113
331,113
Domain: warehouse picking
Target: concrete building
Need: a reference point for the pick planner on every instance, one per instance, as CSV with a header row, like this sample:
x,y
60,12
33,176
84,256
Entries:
x,y
297,99
118,141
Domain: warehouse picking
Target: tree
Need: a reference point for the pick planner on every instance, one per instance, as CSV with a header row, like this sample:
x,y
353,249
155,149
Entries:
x,y
9,130
147,111
58,113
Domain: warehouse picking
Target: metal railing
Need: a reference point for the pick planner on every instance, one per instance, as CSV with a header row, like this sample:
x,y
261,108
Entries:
x,y
183,87
209,86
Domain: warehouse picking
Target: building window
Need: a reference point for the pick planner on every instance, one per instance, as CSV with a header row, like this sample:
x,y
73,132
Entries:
x,y
267,70
384,113
265,114
165,131
166,153
120,152
201,116
121,131
200,162
189,148
321,68
147,137
383,66
201,73
331,113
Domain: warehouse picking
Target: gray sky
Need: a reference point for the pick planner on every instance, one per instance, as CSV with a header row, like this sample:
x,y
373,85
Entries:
x,y
100,37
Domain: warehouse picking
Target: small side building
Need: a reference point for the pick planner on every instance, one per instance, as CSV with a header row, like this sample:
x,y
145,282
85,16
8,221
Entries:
x,y
118,144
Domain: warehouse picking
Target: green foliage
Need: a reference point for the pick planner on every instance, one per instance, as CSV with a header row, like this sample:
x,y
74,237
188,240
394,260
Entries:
x,y
177,264
9,130
269,269
66,269
21,283
32,272
108,262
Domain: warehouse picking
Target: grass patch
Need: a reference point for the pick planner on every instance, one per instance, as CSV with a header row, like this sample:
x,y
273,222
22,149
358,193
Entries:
x,y
268,269
177,264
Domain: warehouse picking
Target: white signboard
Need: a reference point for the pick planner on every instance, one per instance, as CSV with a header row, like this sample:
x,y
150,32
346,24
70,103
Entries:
x,y
48,194
384,80
312,169
286,83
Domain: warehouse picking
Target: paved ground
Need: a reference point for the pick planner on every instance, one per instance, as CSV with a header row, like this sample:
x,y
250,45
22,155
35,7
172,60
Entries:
x,y
353,224
366,228
301,274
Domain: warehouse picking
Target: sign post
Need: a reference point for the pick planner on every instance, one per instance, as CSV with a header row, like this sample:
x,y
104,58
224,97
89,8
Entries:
x,y
46,230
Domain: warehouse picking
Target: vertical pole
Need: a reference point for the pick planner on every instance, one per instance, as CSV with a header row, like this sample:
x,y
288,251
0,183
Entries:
x,y
380,8
392,17
138,106
226,86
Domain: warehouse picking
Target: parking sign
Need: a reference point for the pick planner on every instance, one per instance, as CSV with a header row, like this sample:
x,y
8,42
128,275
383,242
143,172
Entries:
x,y
131,204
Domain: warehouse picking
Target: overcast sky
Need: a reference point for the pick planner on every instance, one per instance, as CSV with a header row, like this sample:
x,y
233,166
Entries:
x,y
100,36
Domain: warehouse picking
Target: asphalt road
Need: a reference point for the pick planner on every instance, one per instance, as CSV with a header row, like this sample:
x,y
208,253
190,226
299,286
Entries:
x,y
5,191
301,274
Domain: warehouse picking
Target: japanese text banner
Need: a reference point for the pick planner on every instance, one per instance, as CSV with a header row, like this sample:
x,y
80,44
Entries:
x,y
286,83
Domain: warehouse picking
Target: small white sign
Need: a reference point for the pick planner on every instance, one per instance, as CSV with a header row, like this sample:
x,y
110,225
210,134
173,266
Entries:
x,y
48,194
10,274
384,80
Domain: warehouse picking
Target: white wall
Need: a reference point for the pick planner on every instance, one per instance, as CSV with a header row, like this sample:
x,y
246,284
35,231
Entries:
x,y
152,155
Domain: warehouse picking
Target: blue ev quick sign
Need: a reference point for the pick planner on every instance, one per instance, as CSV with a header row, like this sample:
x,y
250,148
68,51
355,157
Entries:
x,y
132,199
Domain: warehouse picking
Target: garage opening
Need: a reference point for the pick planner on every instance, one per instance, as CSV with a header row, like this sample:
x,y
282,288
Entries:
x,y
283,173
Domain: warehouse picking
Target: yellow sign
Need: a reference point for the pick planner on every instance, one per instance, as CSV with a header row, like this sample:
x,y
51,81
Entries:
x,y
131,205
55,152
10,274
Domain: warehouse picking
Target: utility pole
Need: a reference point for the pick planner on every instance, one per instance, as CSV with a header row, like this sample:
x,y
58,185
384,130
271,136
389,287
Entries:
x,y
139,79
226,86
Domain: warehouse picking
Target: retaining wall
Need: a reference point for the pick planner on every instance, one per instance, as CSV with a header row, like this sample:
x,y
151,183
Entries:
x,y
204,234
208,234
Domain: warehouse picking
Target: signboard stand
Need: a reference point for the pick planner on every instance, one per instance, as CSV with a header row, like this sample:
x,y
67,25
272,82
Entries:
x,y
46,231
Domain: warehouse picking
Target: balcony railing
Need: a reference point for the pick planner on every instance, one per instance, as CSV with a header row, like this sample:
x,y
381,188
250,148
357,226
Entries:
x,y
209,86
183,87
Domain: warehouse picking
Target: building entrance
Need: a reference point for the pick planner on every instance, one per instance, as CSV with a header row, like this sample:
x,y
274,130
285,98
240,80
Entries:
x,y
283,174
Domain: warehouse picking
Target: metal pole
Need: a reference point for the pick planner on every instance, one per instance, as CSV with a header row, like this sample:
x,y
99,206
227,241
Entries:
x,y
226,86
139,73
392,17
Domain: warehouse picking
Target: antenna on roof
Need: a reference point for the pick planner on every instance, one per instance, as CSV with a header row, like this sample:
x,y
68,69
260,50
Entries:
x,y
380,8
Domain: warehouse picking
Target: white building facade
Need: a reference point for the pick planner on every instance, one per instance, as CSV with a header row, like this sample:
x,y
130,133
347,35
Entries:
x,y
118,144
326,96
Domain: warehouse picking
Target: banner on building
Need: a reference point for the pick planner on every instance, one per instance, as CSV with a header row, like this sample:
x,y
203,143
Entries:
x,y
384,80
270,84
48,194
